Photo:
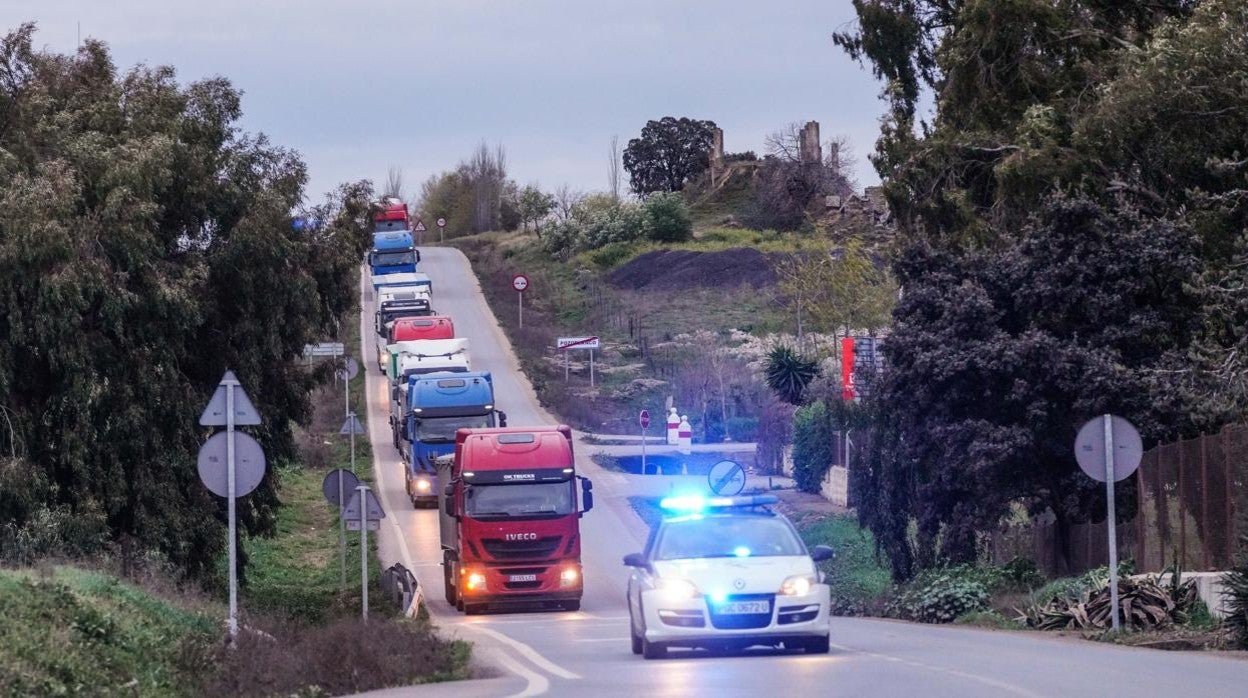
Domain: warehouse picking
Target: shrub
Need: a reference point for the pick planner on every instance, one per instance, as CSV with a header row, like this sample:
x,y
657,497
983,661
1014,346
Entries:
x,y
813,443
670,220
941,595
1235,593
859,582
788,373
610,255
742,428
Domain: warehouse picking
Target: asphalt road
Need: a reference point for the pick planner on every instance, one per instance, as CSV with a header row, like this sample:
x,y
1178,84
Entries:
x,y
587,653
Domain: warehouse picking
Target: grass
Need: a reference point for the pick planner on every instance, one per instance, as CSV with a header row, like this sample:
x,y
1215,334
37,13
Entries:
x,y
860,584
992,620
69,631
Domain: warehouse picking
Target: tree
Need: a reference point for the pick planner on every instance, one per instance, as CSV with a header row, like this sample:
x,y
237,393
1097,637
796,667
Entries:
x,y
613,168
788,373
147,245
784,187
668,154
394,184
670,220
837,291
535,205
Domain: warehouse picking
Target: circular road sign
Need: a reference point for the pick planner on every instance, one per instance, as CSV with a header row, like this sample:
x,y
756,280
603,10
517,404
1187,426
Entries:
x,y
1090,448
248,464
329,486
352,369
644,419
727,478
520,282
441,222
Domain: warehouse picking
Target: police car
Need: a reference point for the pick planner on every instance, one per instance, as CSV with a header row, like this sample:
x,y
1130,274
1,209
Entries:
x,y
726,573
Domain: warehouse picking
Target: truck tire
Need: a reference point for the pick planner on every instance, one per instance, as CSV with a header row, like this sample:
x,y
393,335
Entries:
x,y
448,581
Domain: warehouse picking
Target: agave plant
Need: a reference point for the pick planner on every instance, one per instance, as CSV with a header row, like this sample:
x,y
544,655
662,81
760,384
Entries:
x,y
1143,603
788,373
1235,594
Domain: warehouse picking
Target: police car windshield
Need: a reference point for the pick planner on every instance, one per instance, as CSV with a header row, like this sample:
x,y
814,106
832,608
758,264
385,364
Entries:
x,y
519,501
726,536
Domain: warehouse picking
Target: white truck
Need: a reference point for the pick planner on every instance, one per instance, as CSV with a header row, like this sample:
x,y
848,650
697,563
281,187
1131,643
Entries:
x,y
417,356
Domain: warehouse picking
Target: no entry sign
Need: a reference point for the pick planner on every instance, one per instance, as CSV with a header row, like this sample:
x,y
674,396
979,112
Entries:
x,y
520,282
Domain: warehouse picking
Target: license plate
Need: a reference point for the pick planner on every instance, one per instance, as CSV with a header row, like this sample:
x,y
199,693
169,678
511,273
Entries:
x,y
738,607
522,577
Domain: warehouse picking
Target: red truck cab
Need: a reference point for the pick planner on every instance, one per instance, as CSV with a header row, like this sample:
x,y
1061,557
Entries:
x,y
430,327
509,521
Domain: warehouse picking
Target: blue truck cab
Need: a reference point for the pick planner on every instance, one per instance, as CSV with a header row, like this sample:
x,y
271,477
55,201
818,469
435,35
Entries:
x,y
436,405
393,253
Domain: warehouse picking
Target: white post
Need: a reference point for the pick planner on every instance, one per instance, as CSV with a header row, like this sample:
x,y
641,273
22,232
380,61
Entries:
x,y
643,450
1110,520
565,365
346,386
351,427
591,368
520,300
363,499
229,456
342,536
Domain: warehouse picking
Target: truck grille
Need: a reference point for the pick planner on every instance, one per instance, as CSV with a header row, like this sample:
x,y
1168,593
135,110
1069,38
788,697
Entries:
x,y
540,549
743,621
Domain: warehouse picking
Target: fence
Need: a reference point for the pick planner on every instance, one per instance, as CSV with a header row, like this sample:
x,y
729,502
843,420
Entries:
x,y
1191,505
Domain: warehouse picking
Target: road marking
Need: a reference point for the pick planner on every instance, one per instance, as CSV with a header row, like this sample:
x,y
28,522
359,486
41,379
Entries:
x,y
1000,685
535,683
620,639
526,651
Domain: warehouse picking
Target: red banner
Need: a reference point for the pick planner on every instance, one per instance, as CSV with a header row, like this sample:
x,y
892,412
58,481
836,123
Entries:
x,y
847,369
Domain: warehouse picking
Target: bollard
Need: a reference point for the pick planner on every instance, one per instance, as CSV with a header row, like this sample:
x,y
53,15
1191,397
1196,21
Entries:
x,y
685,436
673,428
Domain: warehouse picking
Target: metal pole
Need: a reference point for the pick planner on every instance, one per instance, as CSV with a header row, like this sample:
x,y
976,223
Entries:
x,y
520,300
346,387
643,450
565,366
342,537
591,368
351,427
229,456
363,490
1110,520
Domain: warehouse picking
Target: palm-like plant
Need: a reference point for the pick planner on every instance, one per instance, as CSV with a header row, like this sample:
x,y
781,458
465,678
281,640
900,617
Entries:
x,y
788,373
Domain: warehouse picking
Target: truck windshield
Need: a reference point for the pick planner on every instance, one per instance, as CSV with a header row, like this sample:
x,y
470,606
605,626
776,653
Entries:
x,y
527,500
726,536
390,259
442,429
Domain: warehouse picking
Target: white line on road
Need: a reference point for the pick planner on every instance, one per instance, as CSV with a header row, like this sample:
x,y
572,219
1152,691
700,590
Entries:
x,y
1000,685
528,652
536,684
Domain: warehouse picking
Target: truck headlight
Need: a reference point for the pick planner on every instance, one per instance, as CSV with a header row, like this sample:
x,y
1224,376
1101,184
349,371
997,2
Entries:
x,y
474,581
797,585
677,588
569,577
423,485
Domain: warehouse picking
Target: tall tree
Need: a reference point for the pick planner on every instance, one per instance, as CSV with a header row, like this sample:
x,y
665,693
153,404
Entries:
x,y
146,245
668,154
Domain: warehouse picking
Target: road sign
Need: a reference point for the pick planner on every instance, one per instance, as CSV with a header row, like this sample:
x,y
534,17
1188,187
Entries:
x,y
520,282
441,222
324,349
351,425
363,513
644,419
420,227
329,486
1090,448
352,370
563,343
727,478
372,506
245,413
213,466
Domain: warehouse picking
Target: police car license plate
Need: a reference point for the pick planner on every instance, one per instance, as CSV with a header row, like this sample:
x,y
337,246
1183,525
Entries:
x,y
522,577
738,607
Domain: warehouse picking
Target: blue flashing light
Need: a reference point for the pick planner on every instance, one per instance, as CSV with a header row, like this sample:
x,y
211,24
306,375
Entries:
x,y
688,503
696,503
741,551
718,597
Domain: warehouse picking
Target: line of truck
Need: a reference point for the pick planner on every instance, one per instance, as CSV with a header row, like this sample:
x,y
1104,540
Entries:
x,y
509,499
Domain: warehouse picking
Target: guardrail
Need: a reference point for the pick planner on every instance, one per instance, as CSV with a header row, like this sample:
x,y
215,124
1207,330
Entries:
x,y
398,583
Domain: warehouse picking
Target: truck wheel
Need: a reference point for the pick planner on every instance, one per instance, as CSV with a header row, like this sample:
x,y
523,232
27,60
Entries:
x,y
819,645
448,582
653,650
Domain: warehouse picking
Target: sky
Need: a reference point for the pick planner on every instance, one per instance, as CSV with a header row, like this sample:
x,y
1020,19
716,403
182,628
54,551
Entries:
x,y
360,86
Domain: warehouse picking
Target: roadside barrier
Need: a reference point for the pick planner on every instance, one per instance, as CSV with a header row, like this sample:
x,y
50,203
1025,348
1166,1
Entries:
x,y
403,588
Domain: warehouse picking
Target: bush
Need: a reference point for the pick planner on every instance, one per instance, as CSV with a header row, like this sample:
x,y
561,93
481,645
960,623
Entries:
x,y
670,220
1236,595
744,429
611,255
941,595
813,444
594,227
859,582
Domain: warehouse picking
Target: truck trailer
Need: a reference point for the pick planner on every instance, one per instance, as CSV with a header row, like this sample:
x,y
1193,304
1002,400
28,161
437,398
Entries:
x,y
510,518
435,407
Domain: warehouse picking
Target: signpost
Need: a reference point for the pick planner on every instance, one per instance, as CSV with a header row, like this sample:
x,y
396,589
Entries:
x,y
566,344
727,478
324,349
363,513
644,420
420,228
441,226
230,407
350,369
520,282
1109,449
335,486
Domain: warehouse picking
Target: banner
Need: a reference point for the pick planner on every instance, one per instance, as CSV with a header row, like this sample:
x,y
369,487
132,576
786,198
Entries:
x,y
847,368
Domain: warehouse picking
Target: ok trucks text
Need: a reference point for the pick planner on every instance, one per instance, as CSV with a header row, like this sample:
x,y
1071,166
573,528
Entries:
x,y
509,519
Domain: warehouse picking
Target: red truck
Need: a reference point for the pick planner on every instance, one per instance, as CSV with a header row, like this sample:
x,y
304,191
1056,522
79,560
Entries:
x,y
510,518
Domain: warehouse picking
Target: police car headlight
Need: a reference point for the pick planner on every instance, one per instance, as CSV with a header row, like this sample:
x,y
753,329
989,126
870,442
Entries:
x,y
797,585
677,588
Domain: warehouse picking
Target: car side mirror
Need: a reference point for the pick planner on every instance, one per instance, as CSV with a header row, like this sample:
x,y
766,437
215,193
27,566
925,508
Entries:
x,y
418,256
587,494
821,553
449,501
636,560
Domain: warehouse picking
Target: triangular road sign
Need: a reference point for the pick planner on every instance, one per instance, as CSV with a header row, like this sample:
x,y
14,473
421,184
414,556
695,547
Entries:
x,y
420,227
350,425
245,413
372,510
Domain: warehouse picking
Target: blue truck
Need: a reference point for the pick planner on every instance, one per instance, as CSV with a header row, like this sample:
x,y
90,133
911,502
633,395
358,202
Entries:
x,y
393,253
435,406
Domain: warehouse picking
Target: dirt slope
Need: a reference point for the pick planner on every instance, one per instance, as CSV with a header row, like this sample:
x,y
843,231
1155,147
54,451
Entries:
x,y
673,270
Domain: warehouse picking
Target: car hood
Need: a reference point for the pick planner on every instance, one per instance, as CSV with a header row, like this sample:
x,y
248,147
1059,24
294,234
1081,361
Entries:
x,y
737,575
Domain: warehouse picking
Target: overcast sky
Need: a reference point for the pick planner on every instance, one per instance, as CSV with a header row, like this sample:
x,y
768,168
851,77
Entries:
x,y
359,85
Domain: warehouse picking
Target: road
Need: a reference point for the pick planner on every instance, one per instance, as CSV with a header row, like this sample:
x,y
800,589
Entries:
x,y
587,653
